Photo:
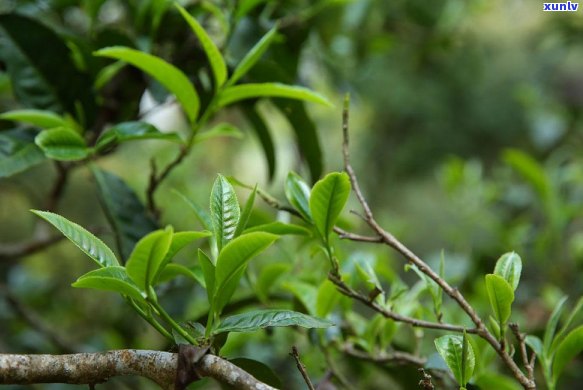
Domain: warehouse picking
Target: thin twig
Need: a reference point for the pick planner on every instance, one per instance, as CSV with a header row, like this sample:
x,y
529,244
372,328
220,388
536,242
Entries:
x,y
395,357
528,364
301,368
156,179
411,257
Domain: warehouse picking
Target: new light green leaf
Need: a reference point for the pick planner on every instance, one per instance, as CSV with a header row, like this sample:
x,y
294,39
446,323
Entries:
x,y
273,90
569,348
255,320
212,52
63,144
147,257
225,211
40,118
83,239
501,296
165,73
459,356
280,229
232,261
179,241
246,212
220,130
509,266
328,198
112,278
297,193
208,272
253,56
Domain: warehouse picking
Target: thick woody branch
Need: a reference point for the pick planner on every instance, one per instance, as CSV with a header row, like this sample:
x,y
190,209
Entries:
x,y
93,368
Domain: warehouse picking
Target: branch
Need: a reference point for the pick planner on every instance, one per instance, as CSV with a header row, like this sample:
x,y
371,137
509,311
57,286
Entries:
x,y
388,239
156,179
301,368
92,368
395,357
21,249
528,364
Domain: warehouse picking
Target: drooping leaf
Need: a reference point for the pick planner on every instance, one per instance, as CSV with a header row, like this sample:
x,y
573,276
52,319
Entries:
x,y
83,239
551,327
200,213
126,214
63,144
571,346
40,118
280,229
252,56
42,69
273,90
297,192
147,256
451,348
173,270
225,211
509,266
260,127
208,272
212,52
112,278
220,130
165,73
232,261
255,320
132,131
18,152
327,200
501,296
246,212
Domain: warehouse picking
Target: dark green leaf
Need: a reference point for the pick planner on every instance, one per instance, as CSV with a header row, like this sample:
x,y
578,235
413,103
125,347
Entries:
x,y
501,296
225,211
62,144
451,348
254,320
297,192
327,200
246,212
280,229
232,261
509,266
147,257
258,125
569,348
252,56
84,240
126,214
272,90
39,118
212,52
132,131
165,73
18,151
112,278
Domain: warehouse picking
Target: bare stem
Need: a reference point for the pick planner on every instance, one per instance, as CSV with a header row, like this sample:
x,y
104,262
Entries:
x,y
301,368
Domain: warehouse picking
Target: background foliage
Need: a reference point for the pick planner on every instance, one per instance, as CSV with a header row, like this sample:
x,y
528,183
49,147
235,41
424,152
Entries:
x,y
466,123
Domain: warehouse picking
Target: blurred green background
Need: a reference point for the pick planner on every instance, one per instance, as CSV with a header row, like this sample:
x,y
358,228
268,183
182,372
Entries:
x,y
466,130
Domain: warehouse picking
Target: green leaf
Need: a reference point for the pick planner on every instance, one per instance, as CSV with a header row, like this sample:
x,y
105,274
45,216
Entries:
x,y
530,170
306,293
501,296
232,261
327,298
509,266
225,211
220,130
147,257
200,213
112,278
459,356
40,118
107,73
252,56
18,152
127,216
179,241
576,310
63,144
569,348
212,52
297,192
84,240
260,319
208,272
327,200
262,131
536,345
194,329
268,279
246,212
491,380
552,323
280,229
173,270
132,131
165,73
272,90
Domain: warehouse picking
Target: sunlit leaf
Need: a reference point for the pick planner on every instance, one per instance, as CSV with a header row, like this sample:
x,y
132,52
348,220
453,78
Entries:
x,y
40,118
83,239
63,144
113,279
225,211
147,257
255,320
509,266
327,200
273,90
220,130
459,356
297,192
280,229
501,296
252,56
